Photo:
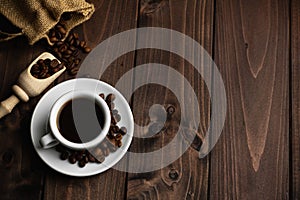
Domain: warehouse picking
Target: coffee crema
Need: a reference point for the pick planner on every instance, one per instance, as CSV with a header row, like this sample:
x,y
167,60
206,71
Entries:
x,y
80,120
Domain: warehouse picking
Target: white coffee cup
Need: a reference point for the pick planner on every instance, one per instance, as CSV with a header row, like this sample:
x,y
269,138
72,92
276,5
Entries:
x,y
54,137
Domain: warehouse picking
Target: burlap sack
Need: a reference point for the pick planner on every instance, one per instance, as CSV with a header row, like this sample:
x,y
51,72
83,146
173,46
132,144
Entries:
x,y
36,17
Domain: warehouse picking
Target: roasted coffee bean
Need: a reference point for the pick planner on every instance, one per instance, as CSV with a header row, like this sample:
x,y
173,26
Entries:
x,y
72,159
85,159
40,61
114,112
110,136
102,95
72,48
59,54
82,44
110,97
97,152
91,158
68,52
55,70
106,152
63,48
113,121
81,163
64,155
117,117
59,43
61,29
76,36
115,129
54,63
111,105
73,71
47,62
42,75
113,148
55,49
60,66
66,56
75,53
77,61
118,137
119,143
100,159
59,35
76,42
87,50
123,130
35,69
71,42
51,33
53,39
69,38
79,156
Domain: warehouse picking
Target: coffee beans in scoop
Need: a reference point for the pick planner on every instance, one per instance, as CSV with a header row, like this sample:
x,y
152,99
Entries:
x,y
111,143
45,68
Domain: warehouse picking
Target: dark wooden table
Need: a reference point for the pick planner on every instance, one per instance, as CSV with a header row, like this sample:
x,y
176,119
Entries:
x,y
256,45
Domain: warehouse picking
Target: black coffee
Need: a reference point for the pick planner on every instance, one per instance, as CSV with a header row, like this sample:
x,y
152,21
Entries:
x,y
78,122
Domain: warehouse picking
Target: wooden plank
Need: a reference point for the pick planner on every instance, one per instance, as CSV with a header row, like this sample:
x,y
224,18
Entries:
x,y
187,177
295,107
251,159
111,17
20,167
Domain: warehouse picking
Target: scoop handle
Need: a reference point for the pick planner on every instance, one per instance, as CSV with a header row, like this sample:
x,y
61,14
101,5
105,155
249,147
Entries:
x,y
7,105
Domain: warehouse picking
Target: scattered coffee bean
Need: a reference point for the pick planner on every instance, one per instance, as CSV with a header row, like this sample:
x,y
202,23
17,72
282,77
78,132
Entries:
x,y
81,163
118,137
110,97
66,47
64,155
119,143
102,95
123,130
87,49
91,158
114,112
100,159
106,152
117,117
79,156
72,159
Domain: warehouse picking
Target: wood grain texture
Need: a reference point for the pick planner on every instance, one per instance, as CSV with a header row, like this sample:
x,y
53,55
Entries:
x,y
111,17
295,107
20,167
187,177
251,159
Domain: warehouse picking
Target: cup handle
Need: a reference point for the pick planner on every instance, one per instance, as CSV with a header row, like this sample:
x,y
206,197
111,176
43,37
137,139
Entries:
x,y
48,141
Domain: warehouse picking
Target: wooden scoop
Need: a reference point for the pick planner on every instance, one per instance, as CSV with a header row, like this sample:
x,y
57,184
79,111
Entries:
x,y
28,86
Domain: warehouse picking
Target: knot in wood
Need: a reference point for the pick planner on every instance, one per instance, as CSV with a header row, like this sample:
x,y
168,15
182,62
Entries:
x,y
173,174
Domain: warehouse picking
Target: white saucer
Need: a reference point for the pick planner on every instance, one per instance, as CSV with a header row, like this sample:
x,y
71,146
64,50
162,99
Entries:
x,y
40,117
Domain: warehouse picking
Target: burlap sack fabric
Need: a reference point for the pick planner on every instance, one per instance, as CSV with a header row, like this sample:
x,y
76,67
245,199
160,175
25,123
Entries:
x,y
36,17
